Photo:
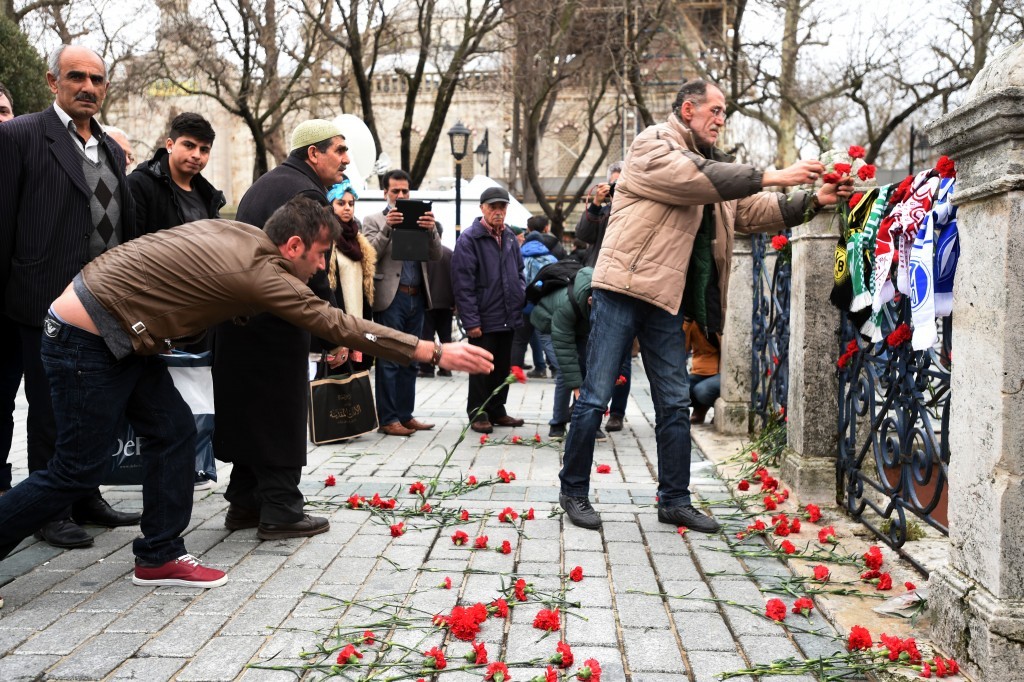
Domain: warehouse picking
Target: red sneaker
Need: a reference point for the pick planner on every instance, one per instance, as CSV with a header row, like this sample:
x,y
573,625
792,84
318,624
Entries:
x,y
185,571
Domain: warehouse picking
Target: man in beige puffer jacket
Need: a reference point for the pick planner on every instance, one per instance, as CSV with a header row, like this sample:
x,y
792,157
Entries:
x,y
677,204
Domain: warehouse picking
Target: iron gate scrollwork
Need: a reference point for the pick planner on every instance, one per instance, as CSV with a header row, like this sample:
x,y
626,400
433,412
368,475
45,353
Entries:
x,y
769,361
893,424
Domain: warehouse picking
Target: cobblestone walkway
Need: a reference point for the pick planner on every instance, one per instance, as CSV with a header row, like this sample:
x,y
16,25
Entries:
x,y
75,615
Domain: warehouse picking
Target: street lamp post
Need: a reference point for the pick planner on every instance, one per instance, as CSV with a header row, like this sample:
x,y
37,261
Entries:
x,y
919,148
483,153
459,137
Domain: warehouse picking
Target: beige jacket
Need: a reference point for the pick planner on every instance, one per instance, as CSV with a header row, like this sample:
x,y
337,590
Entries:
x,y
659,200
174,283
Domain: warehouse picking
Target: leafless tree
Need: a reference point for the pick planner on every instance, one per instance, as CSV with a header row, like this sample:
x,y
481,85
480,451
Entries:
x,y
16,14
429,45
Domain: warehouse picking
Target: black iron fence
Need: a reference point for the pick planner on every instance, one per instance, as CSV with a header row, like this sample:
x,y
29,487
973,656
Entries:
x,y
769,360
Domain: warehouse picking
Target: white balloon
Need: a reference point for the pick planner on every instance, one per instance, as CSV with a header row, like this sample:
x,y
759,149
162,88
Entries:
x,y
361,150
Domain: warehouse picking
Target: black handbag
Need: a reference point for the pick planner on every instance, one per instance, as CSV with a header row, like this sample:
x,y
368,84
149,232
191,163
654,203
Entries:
x,y
341,407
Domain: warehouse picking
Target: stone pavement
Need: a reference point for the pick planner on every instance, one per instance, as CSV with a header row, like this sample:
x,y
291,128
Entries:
x,y
75,615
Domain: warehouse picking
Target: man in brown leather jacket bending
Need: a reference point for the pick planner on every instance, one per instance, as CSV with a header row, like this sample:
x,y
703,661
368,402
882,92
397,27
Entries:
x,y
101,336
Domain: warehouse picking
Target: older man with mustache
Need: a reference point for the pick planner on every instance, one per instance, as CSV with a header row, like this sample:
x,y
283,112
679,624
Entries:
x,y
64,201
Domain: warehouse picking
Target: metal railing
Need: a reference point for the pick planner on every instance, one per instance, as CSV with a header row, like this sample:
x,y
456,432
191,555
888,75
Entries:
x,y
769,360
893,425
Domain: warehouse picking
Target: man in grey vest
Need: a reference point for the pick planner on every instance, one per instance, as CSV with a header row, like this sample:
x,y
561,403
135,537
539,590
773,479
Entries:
x,y
64,201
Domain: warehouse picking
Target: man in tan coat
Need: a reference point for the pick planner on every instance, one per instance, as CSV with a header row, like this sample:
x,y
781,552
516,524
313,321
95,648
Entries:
x,y
677,204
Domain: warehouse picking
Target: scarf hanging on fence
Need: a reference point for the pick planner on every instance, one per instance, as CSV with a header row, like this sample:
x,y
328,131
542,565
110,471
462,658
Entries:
x,y
851,223
921,271
947,249
861,251
909,221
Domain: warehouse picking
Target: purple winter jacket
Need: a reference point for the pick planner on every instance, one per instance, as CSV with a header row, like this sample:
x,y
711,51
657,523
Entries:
x,y
488,283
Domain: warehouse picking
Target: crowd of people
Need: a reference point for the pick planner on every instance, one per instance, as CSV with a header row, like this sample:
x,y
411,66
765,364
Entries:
x,y
103,271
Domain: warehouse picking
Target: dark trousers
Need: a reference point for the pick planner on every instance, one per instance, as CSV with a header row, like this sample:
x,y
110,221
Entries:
x,y
436,321
482,385
41,430
395,384
271,490
10,380
92,392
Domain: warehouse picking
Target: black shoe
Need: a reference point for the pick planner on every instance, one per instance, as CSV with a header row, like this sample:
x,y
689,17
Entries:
x,y
537,374
94,509
444,372
307,527
240,518
614,423
600,435
556,431
687,516
580,512
424,374
64,534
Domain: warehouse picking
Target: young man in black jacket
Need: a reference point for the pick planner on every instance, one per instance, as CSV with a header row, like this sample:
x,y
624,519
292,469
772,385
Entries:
x,y
170,189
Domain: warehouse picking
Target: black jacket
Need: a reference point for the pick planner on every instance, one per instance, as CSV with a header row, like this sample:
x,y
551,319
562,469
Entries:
x,y
156,202
45,219
591,228
553,244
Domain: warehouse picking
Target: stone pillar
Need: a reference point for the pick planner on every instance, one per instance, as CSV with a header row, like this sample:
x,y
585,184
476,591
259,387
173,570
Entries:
x,y
809,462
977,599
732,409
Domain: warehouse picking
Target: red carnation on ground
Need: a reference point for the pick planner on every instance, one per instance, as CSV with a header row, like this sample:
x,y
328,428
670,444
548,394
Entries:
x,y
828,535
483,439
779,242
435,659
788,547
536,438
398,530
508,515
873,558
842,168
769,503
478,654
459,537
498,672
550,675
369,638
884,582
794,526
910,586
576,574
506,547
775,609
529,514
945,167
506,476
520,589
516,440
591,670
744,485
480,542
354,501
859,638
471,480
803,606
547,620
517,374
417,488
821,573
813,513
330,481
348,655
447,583
563,657
465,623
856,152
464,515
499,608
604,468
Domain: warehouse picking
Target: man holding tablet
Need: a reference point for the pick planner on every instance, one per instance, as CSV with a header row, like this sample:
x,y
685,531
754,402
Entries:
x,y
400,298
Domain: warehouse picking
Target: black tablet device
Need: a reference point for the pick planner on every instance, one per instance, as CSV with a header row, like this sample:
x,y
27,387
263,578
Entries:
x,y
409,241
412,210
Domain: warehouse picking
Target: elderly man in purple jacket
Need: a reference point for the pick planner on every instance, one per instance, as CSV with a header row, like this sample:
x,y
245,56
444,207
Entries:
x,y
490,291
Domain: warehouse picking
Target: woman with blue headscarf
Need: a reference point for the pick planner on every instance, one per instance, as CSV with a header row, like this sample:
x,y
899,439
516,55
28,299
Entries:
x,y
352,264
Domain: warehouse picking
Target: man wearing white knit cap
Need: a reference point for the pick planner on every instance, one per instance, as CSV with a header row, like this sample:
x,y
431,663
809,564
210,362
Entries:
x,y
260,369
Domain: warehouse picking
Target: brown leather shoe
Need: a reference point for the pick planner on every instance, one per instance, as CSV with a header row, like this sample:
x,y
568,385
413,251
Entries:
x,y
482,427
699,414
417,425
508,421
240,518
395,429
307,527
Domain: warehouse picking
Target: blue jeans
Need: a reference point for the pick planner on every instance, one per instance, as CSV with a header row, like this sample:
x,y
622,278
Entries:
x,y
615,320
395,384
92,392
704,390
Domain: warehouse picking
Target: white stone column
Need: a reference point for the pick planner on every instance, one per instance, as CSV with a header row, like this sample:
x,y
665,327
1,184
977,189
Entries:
x,y
977,599
732,409
809,462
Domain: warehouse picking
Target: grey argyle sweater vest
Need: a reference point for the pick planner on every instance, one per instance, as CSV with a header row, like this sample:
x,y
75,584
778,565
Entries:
x,y
104,202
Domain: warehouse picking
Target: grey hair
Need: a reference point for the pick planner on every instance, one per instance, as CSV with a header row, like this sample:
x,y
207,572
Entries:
x,y
114,130
613,169
53,61
694,90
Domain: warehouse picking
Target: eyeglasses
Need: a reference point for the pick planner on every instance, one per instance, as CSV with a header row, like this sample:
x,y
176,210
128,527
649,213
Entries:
x,y
718,112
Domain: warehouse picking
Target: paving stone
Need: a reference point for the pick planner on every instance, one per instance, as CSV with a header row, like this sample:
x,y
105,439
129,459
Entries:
x,y
766,649
259,615
25,668
10,638
66,633
94,659
627,554
706,665
149,669
652,649
223,658
595,627
703,632
151,614
289,582
641,611
686,595
42,611
183,637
